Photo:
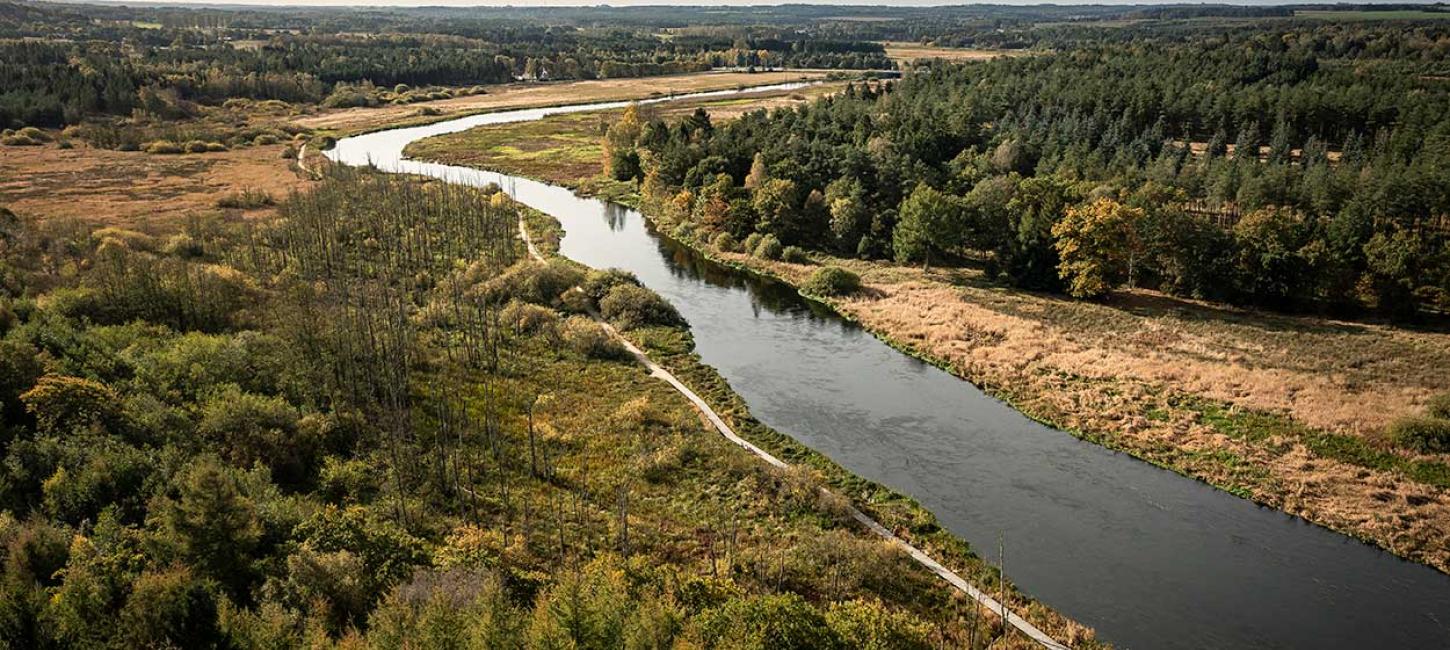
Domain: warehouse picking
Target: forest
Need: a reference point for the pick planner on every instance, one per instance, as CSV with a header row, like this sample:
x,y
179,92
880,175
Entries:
x,y
253,399
62,63
1301,171
370,422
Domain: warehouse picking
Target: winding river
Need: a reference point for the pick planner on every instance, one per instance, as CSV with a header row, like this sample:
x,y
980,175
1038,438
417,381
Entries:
x,y
1147,557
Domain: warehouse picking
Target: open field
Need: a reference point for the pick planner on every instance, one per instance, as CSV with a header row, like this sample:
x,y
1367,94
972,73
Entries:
x,y
550,94
907,52
136,190
565,148
1285,410
1403,14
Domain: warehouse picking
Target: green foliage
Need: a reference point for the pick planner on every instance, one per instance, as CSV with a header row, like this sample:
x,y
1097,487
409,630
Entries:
x,y
213,525
769,248
868,625
524,318
771,622
629,306
1424,434
1438,406
928,220
1337,212
536,283
351,559
598,284
253,429
832,281
170,608
457,608
725,242
19,370
1099,245
65,404
751,243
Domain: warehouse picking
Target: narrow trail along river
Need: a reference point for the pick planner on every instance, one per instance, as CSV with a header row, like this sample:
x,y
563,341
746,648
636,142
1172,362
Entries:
x,y
1149,558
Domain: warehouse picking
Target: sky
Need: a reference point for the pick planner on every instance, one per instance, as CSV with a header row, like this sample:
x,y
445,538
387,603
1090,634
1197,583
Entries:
x,y
635,3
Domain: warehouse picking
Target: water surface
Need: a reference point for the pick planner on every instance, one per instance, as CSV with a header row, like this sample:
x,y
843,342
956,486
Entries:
x,y
1149,558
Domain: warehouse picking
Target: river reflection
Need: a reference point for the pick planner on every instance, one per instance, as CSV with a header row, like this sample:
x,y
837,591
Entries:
x,y
1149,558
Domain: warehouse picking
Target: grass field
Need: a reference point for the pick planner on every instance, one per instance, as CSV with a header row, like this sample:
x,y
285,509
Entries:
x,y
513,96
899,51
1285,410
136,190
1401,14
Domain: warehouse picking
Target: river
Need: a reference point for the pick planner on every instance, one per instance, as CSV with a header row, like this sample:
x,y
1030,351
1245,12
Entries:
x,y
1149,558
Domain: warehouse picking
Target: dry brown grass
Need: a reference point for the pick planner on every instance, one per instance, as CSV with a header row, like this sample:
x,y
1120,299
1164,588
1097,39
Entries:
x,y
511,96
900,51
136,190
1117,372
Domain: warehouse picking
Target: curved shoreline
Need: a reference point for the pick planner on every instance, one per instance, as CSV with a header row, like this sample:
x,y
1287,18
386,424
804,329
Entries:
x,y
920,557
688,365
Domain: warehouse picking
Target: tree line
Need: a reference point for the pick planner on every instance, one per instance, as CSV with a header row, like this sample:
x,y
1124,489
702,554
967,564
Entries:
x,y
59,67
1297,169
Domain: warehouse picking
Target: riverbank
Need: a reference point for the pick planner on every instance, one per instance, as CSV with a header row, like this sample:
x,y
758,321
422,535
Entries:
x,y
1281,410
671,346
991,337
957,552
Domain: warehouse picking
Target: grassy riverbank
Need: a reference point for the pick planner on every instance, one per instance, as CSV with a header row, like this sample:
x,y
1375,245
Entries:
x,y
1287,411
673,348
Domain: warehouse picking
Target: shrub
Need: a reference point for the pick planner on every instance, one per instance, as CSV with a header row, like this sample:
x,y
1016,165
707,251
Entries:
x,y
769,248
428,111
599,283
795,255
832,281
683,231
251,428
752,242
162,147
130,239
34,134
215,147
19,141
195,146
586,337
249,198
867,624
536,283
183,245
1439,406
725,242
776,621
524,318
631,306
264,139
1422,433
